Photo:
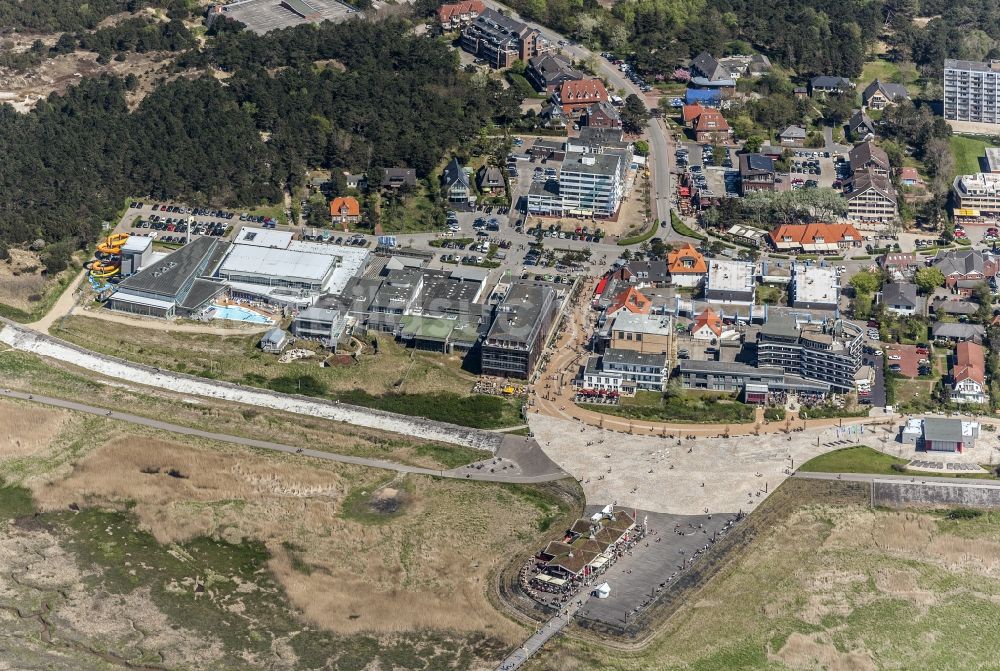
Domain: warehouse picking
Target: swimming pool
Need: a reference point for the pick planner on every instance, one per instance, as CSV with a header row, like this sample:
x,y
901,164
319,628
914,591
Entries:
x,y
237,314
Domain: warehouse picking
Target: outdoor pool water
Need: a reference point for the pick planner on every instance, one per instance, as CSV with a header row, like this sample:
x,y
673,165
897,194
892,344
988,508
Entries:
x,y
237,314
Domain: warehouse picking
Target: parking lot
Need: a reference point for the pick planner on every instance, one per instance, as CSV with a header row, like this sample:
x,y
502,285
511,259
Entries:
x,y
817,168
710,179
168,222
909,358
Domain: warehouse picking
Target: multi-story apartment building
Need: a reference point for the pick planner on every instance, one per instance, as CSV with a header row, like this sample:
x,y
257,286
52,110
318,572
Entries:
x,y
829,352
459,14
521,323
624,370
980,192
591,184
972,91
644,333
500,40
870,198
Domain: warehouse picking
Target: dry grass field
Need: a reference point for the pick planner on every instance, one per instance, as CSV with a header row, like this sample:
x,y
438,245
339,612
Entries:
x,y
838,588
178,553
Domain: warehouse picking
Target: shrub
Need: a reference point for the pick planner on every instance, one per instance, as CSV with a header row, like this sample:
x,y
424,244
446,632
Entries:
x,y
964,514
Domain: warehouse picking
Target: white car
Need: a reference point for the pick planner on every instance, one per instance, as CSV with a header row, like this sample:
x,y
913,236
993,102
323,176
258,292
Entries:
x,y
894,357
878,352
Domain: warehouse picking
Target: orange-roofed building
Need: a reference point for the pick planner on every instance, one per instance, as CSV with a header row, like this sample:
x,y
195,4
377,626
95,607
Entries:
x,y
345,210
968,374
631,300
815,238
691,112
686,266
707,326
575,96
459,14
711,126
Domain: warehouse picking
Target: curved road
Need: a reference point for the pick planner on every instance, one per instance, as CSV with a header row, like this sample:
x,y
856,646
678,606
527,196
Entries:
x,y
458,474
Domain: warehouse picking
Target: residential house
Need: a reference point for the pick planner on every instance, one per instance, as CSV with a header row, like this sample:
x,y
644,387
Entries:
x,y
631,300
625,371
711,127
968,374
548,72
800,92
706,66
345,210
952,332
910,177
954,307
576,95
965,268
756,173
601,115
871,198
686,266
707,325
815,238
689,113
500,40
860,125
827,85
552,117
398,178
900,265
490,180
901,298
354,181
869,156
455,183
793,136
652,273
456,15
879,95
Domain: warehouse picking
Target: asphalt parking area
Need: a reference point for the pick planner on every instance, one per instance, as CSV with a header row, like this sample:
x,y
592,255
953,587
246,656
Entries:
x,y
648,570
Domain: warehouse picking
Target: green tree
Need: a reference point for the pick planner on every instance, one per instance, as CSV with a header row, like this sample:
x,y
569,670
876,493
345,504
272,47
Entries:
x,y
928,279
635,116
866,282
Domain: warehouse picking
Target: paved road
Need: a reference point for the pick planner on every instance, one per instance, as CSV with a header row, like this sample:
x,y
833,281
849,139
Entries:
x,y
921,479
458,474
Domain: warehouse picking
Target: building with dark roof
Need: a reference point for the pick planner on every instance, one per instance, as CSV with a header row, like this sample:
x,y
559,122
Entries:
x,y
869,156
756,173
825,85
756,384
177,285
548,71
948,435
900,298
972,91
395,178
829,352
521,324
500,40
625,371
455,183
879,95
870,198
860,125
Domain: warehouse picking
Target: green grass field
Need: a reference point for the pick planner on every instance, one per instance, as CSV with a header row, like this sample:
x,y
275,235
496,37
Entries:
x,y
858,459
648,405
968,151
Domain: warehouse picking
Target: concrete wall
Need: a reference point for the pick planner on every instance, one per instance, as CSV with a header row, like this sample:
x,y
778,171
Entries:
x,y
895,494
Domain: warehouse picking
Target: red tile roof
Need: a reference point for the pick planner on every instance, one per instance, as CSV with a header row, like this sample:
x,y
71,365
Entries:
x,y
446,12
710,120
344,206
581,91
691,112
806,234
710,319
970,363
632,300
686,260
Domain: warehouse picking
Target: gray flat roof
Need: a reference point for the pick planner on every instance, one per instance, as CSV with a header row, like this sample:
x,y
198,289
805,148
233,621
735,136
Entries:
x,y
591,164
520,312
977,66
632,358
168,276
947,430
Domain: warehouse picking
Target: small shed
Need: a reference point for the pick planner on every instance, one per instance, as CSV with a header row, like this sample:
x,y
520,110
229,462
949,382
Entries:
x,y
602,591
274,341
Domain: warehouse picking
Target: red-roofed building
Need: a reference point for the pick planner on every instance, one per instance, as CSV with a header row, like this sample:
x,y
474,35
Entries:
x,y
459,14
345,210
686,266
968,374
815,238
707,325
910,177
711,126
576,96
691,112
631,300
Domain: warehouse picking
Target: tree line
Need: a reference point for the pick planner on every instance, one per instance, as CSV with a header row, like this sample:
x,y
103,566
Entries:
x,y
355,96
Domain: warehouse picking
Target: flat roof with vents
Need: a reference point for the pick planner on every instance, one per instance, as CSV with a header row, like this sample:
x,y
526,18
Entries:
x,y
169,276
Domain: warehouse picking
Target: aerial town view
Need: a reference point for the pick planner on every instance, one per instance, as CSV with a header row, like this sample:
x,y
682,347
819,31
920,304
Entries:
x,y
611,335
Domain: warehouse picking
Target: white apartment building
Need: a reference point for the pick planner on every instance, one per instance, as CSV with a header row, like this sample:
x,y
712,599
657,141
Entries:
x,y
870,198
972,91
980,192
589,185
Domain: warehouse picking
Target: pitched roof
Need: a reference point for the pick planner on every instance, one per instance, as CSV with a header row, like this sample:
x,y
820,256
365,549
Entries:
x,y
890,91
900,293
710,120
686,260
958,331
960,262
794,133
864,181
909,174
589,90
868,152
691,112
553,68
708,318
810,234
830,82
454,173
345,206
446,12
707,65
860,118
632,300
970,363
756,163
